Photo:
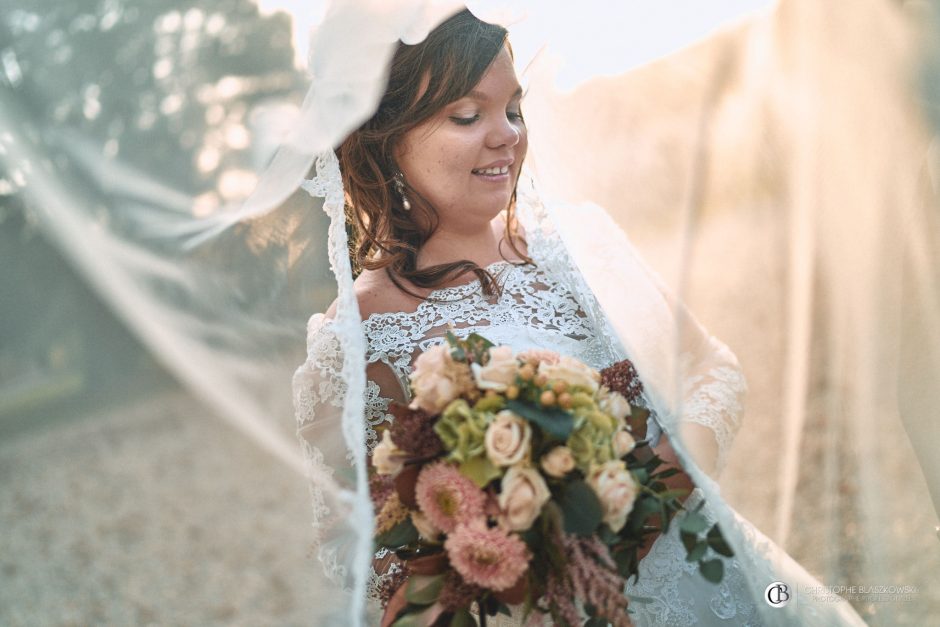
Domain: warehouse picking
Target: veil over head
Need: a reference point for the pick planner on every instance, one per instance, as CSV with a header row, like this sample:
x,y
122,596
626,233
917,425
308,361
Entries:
x,y
786,197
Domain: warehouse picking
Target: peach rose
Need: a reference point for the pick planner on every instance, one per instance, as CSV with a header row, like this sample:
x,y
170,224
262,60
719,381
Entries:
x,y
507,439
437,379
572,372
523,493
616,489
499,372
558,462
387,458
623,442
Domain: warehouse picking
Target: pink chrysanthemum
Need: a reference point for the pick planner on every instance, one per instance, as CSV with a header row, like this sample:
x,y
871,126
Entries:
x,y
489,558
447,497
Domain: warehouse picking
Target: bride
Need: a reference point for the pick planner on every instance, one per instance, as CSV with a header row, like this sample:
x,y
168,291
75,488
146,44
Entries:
x,y
449,234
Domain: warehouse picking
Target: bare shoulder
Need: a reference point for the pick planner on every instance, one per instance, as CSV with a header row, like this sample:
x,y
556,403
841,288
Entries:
x,y
376,293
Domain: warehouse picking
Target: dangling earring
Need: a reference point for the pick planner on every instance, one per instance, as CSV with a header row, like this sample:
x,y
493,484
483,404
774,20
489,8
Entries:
x,y
400,188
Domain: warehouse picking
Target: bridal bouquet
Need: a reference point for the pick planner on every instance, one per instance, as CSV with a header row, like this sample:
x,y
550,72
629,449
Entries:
x,y
515,478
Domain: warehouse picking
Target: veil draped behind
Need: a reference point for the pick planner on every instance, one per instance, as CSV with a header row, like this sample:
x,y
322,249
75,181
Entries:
x,y
780,178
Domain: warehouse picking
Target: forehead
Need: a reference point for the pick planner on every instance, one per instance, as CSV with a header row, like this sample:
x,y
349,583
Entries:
x,y
498,82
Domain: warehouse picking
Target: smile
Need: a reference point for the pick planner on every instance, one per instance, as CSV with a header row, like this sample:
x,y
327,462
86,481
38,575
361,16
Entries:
x,y
492,171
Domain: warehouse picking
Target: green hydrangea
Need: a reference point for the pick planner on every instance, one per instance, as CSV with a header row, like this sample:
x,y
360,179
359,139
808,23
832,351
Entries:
x,y
462,430
591,442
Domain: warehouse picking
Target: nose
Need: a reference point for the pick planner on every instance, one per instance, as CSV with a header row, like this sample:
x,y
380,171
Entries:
x,y
503,133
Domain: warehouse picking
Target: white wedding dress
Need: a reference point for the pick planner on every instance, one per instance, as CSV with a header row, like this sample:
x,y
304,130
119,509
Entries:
x,y
548,305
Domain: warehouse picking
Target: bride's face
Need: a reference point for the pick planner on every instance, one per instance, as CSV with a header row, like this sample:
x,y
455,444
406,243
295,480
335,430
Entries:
x,y
465,159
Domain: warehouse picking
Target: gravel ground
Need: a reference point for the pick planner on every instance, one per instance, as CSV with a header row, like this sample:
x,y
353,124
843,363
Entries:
x,y
153,514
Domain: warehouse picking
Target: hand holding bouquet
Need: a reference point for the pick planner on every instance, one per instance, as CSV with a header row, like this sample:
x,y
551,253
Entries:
x,y
516,479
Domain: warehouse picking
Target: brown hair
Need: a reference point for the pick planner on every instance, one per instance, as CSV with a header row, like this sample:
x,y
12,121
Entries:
x,y
451,60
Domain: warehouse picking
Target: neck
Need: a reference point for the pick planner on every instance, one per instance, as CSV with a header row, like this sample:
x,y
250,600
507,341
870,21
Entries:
x,y
479,244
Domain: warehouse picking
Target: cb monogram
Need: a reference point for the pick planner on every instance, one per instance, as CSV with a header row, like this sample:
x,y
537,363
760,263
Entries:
x,y
777,594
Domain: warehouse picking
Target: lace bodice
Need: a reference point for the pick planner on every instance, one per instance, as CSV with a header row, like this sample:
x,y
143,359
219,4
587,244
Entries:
x,y
533,310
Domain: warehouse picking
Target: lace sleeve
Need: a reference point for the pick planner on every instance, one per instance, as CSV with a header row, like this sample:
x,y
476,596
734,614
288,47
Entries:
x,y
319,392
713,395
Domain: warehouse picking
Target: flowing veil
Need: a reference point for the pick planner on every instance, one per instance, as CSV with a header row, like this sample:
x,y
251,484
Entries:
x,y
780,179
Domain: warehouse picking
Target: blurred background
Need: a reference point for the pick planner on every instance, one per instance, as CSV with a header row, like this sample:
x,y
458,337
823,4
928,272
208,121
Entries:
x,y
149,469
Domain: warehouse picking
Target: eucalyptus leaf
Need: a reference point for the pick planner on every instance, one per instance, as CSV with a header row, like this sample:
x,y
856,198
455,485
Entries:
x,y
712,570
401,534
457,351
424,589
697,552
718,543
581,508
689,540
420,618
553,421
693,522
463,618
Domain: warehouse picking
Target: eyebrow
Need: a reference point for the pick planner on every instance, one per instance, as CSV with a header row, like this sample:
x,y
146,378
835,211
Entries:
x,y
479,95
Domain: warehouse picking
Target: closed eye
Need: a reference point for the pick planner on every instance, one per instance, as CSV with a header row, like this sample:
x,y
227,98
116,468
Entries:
x,y
464,121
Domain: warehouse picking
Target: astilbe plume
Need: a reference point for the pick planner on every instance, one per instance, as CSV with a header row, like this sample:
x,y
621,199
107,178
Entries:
x,y
559,599
457,593
622,377
595,579
413,431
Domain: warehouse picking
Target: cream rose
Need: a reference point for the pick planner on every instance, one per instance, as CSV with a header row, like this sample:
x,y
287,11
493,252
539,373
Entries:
x,y
623,442
558,462
425,527
539,355
615,404
437,379
499,372
387,458
507,439
616,489
572,372
523,493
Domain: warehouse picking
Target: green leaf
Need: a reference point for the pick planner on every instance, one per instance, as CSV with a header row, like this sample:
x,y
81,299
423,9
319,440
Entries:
x,y
581,508
463,618
401,534
641,476
595,621
480,470
424,589
689,540
457,351
697,552
669,472
421,618
693,522
712,570
478,345
503,609
718,543
556,422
